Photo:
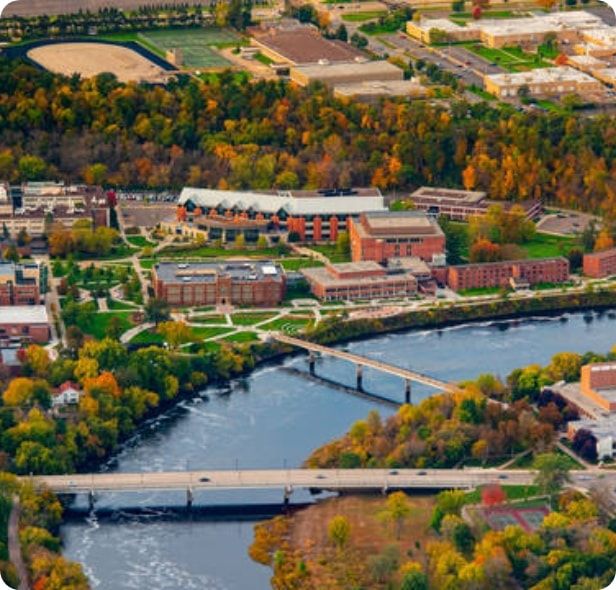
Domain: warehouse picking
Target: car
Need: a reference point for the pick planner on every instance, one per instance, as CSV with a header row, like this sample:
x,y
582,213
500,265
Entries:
x,y
422,473
393,472
503,477
321,476
204,479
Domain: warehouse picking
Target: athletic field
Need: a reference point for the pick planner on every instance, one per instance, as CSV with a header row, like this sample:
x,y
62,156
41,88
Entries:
x,y
196,44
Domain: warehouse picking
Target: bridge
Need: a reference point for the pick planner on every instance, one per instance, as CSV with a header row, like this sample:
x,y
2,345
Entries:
x,y
362,361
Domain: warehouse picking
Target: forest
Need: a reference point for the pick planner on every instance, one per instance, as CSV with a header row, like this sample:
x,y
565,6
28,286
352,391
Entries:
x,y
227,133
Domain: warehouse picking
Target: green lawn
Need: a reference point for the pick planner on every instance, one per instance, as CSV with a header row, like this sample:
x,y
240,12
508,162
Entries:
x,y
140,241
332,252
479,291
287,324
147,263
213,252
209,332
242,337
196,44
260,57
299,263
487,14
545,245
249,319
360,17
512,59
147,337
209,319
97,323
116,305
526,461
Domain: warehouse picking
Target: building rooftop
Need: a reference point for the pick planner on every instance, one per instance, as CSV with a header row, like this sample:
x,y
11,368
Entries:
x,y
541,76
23,314
336,277
207,272
292,202
601,427
604,36
450,194
324,71
376,88
304,44
602,254
403,223
586,61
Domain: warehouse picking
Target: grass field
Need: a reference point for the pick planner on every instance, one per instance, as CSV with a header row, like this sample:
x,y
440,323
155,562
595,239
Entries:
x,y
97,323
512,59
287,325
249,319
140,241
242,337
332,252
196,44
299,263
360,17
544,246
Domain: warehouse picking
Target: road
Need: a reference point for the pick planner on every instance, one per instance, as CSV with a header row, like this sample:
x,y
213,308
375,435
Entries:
x,y
330,479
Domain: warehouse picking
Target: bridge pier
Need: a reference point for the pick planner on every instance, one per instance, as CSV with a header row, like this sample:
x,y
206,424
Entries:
x,y
312,360
91,499
189,498
359,372
288,490
407,391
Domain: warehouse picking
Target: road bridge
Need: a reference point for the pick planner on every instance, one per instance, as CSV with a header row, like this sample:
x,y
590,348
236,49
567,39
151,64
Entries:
x,y
361,361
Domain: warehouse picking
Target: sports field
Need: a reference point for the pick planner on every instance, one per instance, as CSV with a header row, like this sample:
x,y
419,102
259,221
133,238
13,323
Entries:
x,y
196,44
512,59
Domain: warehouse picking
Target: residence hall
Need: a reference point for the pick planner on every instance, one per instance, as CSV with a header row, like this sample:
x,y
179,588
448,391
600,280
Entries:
x,y
459,204
251,283
359,280
599,265
311,215
598,383
508,273
384,235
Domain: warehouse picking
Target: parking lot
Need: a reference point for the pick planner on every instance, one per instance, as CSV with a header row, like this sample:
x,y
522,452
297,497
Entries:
x,y
565,223
143,214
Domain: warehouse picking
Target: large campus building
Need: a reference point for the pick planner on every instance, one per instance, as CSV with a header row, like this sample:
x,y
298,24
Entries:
x,y
19,284
460,204
556,81
384,235
359,281
508,273
251,283
312,216
33,205
599,265
598,382
526,32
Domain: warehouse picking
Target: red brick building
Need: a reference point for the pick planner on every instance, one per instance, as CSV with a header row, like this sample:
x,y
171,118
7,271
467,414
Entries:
x,y
501,274
19,284
599,265
359,280
255,283
24,323
381,236
598,383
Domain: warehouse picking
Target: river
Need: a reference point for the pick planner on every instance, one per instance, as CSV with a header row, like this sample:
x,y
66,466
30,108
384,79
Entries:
x,y
275,418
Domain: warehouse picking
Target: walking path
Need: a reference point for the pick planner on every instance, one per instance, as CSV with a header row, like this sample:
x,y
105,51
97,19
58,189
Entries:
x,y
15,547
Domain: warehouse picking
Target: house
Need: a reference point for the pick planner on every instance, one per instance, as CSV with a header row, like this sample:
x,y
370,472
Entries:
x,y
67,394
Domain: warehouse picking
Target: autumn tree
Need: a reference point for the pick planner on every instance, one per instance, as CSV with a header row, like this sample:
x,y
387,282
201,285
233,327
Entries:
x,y
156,310
339,531
175,333
484,250
604,241
397,510
552,472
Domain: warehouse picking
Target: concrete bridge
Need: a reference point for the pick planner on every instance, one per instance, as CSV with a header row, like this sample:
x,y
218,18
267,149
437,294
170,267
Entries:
x,y
362,361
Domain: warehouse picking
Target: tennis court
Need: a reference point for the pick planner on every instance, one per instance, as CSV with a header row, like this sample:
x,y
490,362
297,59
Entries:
x,y
197,45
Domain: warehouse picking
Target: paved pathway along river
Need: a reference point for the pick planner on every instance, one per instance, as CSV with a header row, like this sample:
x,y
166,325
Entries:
x,y
274,418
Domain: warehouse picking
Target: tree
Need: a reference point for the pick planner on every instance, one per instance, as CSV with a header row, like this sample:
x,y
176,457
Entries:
x,y
156,311
115,328
604,241
415,580
339,531
31,167
552,472
484,250
343,245
585,444
175,333
37,359
492,495
397,510
342,33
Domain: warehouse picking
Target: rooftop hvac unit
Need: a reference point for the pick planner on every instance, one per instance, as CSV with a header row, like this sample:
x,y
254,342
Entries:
x,y
323,62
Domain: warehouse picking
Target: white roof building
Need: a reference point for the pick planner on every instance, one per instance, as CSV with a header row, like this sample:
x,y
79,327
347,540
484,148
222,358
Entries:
x,y
293,203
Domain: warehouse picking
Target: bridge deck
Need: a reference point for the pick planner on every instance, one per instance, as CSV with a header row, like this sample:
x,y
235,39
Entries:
x,y
330,479
367,362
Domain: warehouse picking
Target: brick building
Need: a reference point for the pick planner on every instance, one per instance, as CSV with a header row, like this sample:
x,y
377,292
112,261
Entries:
x,y
502,274
380,236
19,284
598,383
599,265
256,283
24,323
359,280
459,204
311,215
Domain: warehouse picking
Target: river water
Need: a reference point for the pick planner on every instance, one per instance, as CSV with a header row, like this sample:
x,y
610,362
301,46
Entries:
x,y
274,418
